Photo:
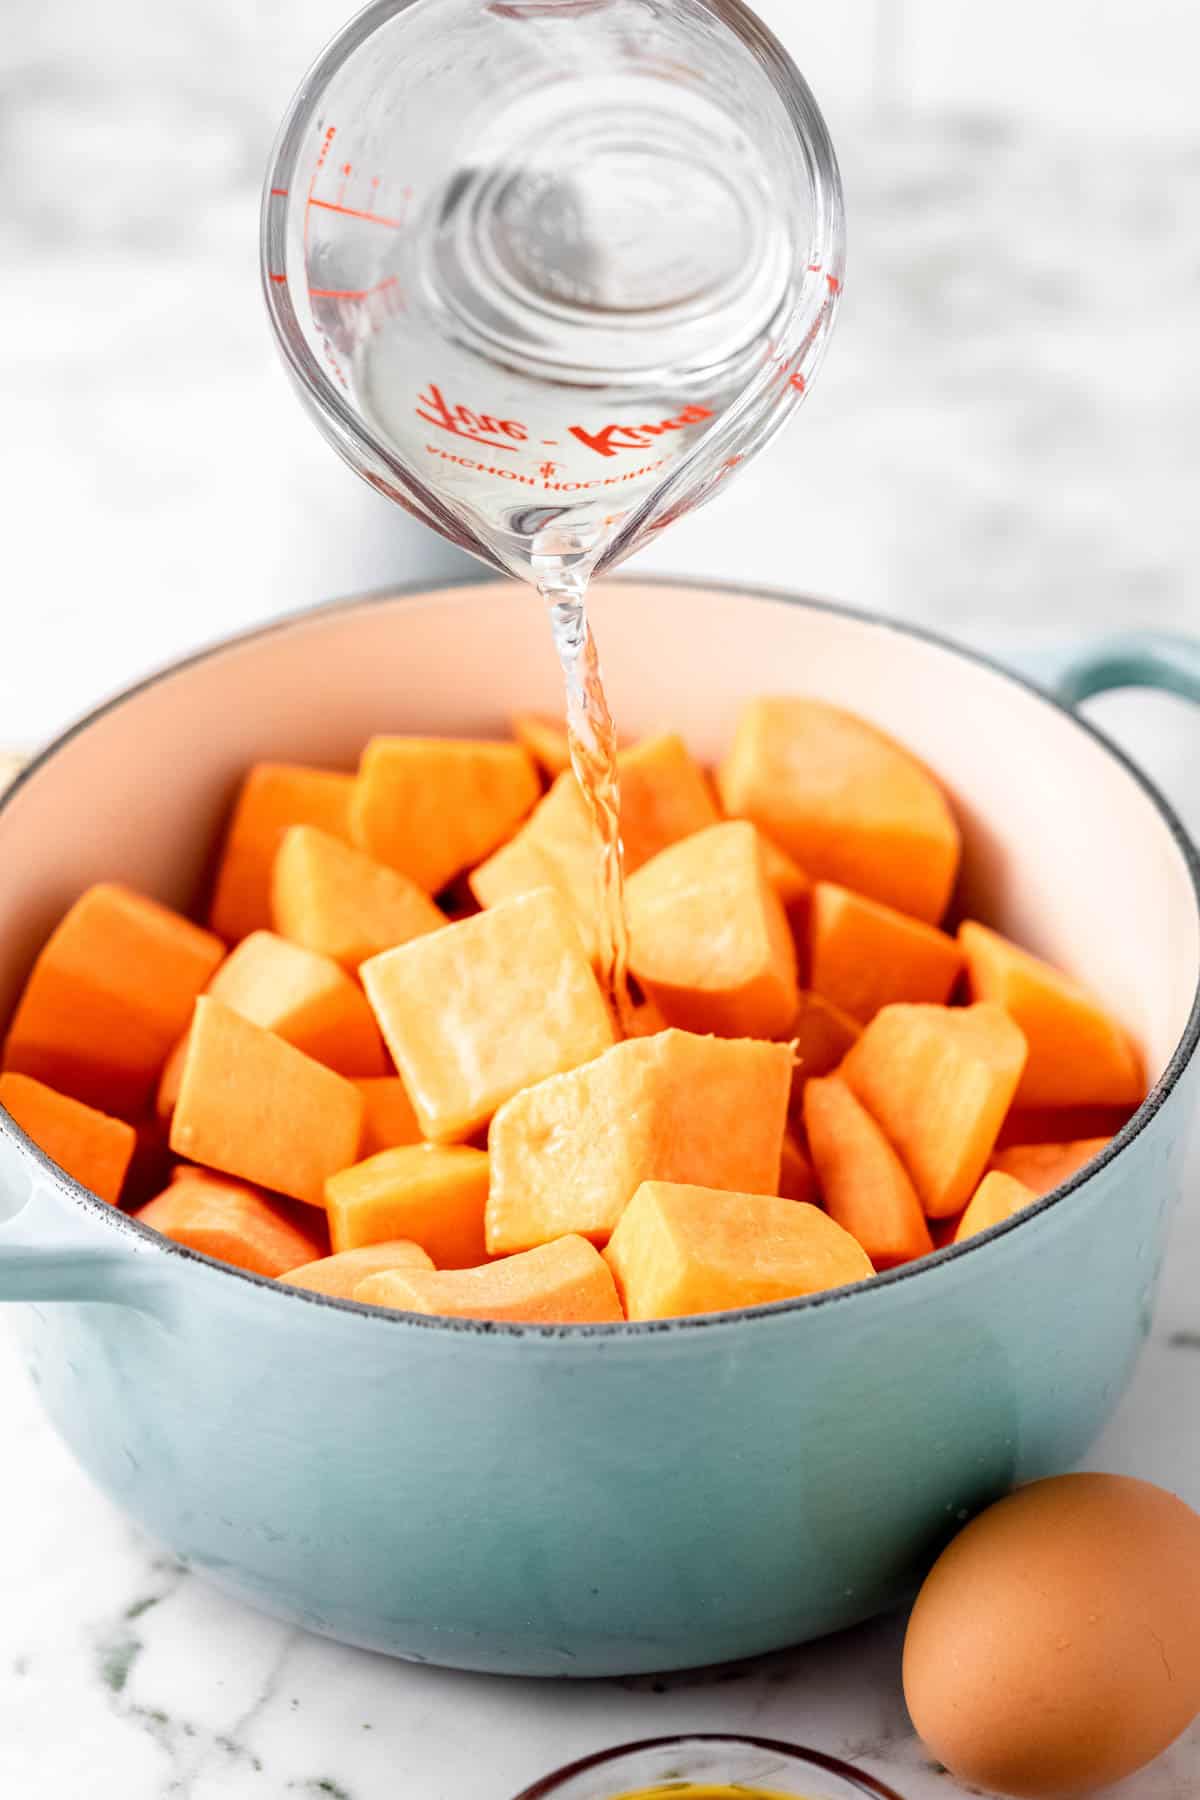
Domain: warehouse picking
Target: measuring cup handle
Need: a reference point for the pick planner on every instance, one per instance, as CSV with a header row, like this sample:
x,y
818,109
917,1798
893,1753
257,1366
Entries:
x,y
1164,660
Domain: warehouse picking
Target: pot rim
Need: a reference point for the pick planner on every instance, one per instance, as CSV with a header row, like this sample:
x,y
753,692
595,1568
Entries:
x,y
441,593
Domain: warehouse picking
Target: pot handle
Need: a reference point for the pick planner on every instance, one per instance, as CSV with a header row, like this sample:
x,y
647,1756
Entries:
x,y
53,1247
1145,659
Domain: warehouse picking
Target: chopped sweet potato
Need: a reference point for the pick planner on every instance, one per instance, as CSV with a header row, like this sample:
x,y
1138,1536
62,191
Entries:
x,y
432,806
708,937
681,1249
545,740
432,1194
997,1198
272,797
796,1178
1062,1124
253,1106
664,797
846,801
335,899
555,849
232,1222
863,955
563,1283
863,1183
1042,1167
939,1080
108,996
569,1153
340,1274
792,885
821,1034
92,1147
388,1116
1078,1054
306,999
486,1007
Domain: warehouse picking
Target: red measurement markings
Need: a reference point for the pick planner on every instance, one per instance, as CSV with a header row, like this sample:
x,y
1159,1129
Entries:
x,y
330,134
280,193
354,212
377,287
460,421
275,277
783,370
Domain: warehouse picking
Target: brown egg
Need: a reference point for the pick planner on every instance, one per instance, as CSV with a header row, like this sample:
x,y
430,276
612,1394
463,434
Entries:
x,y
1055,1645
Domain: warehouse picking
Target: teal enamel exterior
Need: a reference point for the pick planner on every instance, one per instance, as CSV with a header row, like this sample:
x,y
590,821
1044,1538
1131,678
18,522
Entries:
x,y
586,1501
583,1504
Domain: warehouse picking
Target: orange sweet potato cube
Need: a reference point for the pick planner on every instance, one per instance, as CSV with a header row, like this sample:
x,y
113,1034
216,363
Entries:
x,y
432,806
664,797
708,937
555,848
863,1183
797,1179
821,1034
846,801
432,1194
563,1283
388,1116
481,1009
340,1274
253,1106
1078,1053
545,740
681,1249
997,1198
1062,1124
335,899
568,1154
1043,1167
230,1221
939,1080
91,1147
863,956
306,999
273,796
792,885
108,996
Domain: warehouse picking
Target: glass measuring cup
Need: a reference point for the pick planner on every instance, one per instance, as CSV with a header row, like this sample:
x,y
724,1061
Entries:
x,y
547,271
753,1763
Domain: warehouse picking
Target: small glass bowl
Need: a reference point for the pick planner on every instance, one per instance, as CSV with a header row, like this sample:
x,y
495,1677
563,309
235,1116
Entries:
x,y
783,1769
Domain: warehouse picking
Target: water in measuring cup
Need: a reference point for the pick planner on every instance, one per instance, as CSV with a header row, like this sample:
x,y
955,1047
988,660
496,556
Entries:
x,y
585,295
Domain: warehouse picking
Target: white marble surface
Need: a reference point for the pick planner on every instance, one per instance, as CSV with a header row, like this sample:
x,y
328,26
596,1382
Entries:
x,y
1003,442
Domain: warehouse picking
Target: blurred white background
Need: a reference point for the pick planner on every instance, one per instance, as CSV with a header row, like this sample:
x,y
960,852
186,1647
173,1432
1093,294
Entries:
x,y
1003,440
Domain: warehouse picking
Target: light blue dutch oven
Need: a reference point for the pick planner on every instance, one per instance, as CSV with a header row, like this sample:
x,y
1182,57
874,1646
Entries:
x,y
585,1501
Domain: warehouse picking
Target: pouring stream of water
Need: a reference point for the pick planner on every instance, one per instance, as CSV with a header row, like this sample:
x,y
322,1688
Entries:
x,y
592,739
